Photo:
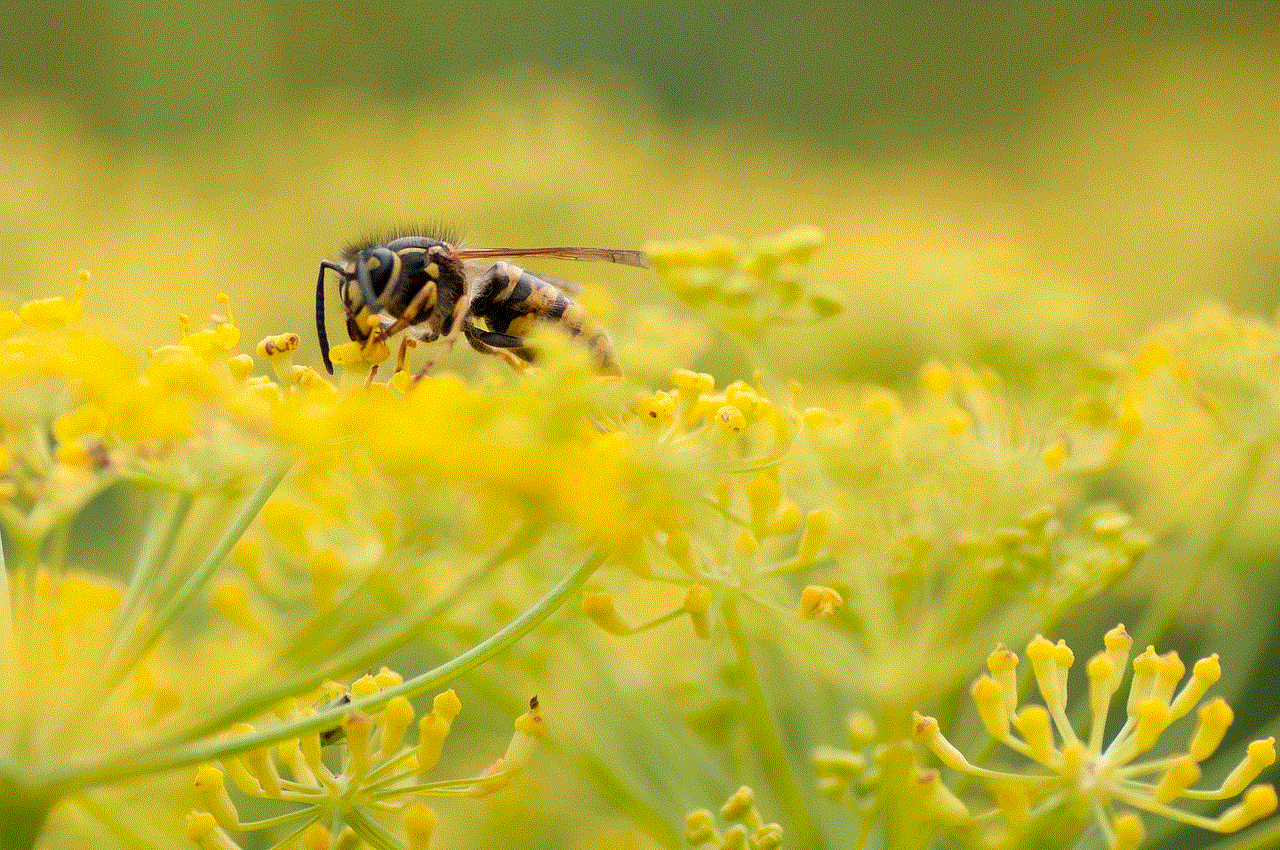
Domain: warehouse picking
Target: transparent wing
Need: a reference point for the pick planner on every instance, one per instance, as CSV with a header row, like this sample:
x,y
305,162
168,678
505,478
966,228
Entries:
x,y
608,255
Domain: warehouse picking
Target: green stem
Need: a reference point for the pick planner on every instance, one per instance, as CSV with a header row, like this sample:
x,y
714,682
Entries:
x,y
159,623
302,664
760,723
8,643
156,545
174,752
157,542
29,563
1159,621
136,644
23,810
373,832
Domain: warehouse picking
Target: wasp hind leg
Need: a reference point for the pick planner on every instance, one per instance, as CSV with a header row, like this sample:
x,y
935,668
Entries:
x,y
499,345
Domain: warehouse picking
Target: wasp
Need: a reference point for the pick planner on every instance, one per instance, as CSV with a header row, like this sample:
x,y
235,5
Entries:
x,y
433,290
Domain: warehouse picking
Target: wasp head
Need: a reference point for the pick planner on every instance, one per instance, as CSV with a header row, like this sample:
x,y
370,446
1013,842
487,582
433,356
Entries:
x,y
365,275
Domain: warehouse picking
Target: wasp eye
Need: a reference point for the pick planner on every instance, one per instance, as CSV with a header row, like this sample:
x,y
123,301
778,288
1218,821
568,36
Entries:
x,y
381,263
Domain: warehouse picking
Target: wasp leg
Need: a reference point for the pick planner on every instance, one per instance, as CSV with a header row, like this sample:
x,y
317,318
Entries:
x,y
493,339
499,345
461,309
425,299
405,343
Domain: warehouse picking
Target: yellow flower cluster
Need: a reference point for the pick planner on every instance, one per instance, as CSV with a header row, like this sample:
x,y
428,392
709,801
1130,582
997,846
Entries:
x,y
732,528
749,832
747,291
278,530
1109,779
273,532
377,793
951,516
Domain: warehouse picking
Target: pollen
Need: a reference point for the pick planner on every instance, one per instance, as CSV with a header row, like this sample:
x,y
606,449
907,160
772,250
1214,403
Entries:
x,y
278,348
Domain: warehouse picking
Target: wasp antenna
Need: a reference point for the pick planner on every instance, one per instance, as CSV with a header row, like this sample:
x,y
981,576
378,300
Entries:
x,y
321,333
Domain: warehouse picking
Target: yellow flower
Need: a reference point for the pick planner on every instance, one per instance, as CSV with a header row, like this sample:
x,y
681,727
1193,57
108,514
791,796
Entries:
x,y
1069,767
218,616
377,772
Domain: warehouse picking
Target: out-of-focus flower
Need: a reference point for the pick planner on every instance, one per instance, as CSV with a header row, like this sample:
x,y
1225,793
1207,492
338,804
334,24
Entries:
x,y
747,829
747,291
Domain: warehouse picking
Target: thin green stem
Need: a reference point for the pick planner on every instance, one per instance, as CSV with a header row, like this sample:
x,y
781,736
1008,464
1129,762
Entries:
x,y
1160,620
20,739
136,644
160,622
760,723
156,545
302,664
29,563
371,830
288,840
307,814
8,644
157,542
175,751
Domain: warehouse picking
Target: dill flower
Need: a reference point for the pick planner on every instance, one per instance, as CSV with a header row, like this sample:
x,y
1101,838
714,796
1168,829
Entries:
x,y
184,514
1071,769
747,291
747,828
954,516
378,788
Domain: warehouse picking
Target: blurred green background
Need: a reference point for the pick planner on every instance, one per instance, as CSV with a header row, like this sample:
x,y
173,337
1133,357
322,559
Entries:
x,y
1009,185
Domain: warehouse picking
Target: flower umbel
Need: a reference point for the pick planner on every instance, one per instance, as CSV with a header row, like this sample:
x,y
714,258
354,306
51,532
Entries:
x,y
1109,779
377,790
747,829
182,514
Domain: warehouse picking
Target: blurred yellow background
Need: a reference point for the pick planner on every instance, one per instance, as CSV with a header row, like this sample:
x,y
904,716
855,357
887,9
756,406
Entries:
x,y
1012,187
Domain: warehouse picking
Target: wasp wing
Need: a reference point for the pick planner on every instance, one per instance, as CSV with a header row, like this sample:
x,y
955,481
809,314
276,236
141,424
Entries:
x,y
621,256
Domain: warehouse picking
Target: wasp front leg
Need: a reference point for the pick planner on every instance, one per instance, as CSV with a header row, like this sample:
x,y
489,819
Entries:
x,y
423,301
406,342
461,309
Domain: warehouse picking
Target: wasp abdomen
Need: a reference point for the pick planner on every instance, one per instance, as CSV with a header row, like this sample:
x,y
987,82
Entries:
x,y
510,300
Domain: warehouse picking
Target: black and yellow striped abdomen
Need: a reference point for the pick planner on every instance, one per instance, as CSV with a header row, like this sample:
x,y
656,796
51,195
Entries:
x,y
510,300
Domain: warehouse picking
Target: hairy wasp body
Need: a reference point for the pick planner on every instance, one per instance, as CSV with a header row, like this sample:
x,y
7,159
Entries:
x,y
423,284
